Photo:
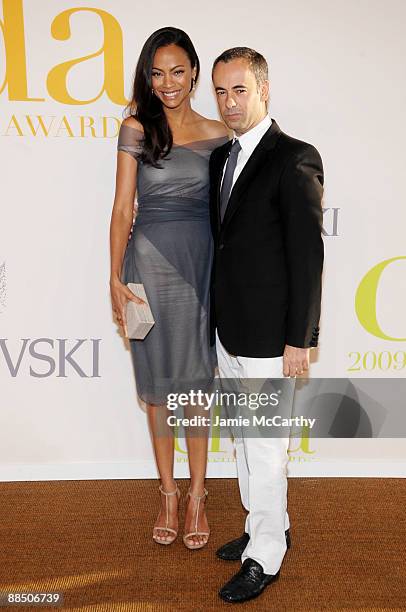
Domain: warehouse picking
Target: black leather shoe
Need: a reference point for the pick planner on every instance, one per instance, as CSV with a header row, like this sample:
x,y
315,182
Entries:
x,y
248,583
233,550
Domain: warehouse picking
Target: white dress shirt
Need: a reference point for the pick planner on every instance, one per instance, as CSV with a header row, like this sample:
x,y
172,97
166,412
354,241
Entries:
x,y
248,142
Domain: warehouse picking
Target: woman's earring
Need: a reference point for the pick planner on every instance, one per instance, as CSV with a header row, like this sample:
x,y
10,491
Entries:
x,y
152,91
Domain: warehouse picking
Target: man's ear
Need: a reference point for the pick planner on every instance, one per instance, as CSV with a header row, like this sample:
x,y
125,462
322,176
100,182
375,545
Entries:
x,y
264,91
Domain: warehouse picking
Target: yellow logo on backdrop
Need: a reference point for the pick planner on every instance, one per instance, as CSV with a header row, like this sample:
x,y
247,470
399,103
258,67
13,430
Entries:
x,y
365,300
215,447
304,445
12,27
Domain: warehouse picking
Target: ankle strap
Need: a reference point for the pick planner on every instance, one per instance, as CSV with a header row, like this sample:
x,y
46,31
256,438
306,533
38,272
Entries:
x,y
170,493
205,493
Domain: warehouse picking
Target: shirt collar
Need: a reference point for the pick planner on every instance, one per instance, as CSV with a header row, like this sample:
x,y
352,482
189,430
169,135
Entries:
x,y
250,139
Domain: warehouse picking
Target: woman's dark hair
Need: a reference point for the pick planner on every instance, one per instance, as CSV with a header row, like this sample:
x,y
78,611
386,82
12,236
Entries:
x,y
144,105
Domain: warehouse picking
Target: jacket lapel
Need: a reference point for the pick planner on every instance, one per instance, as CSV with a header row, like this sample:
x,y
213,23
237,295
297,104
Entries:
x,y
267,142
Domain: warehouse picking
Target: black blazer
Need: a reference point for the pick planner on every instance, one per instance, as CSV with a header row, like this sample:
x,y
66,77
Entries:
x,y
266,279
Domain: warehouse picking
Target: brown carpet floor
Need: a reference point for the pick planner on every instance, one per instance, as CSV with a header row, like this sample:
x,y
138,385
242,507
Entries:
x,y
91,540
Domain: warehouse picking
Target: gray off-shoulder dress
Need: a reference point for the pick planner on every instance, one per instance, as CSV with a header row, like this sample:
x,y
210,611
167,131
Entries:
x,y
170,251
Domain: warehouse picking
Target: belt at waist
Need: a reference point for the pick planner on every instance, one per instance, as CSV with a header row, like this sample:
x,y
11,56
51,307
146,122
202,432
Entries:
x,y
168,208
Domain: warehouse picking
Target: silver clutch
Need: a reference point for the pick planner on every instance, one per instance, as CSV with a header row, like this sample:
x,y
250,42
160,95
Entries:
x,y
139,316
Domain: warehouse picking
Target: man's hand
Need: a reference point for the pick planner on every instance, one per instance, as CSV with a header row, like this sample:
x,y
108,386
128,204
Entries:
x,y
295,360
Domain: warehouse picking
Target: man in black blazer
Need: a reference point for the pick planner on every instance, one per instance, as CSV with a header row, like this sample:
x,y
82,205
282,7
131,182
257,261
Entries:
x,y
266,217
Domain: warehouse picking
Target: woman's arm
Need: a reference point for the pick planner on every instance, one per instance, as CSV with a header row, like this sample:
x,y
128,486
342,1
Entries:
x,y
126,181
122,213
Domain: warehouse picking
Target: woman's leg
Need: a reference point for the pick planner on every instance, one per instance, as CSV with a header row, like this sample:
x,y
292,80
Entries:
x,y
197,445
163,445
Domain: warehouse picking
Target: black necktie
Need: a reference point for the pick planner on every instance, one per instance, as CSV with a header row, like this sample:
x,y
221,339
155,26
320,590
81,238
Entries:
x,y
228,177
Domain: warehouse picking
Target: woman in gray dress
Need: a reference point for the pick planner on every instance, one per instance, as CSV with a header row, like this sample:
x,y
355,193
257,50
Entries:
x,y
163,156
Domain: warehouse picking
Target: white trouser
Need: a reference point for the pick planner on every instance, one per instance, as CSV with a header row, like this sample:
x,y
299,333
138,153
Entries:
x,y
261,469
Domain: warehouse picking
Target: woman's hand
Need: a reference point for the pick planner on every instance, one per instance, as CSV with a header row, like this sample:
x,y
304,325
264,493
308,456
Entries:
x,y
120,295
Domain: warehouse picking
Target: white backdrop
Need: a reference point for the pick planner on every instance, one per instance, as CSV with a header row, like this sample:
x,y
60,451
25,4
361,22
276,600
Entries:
x,y
336,81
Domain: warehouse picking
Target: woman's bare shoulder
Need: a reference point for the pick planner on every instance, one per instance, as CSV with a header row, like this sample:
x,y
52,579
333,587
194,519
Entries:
x,y
133,123
216,129
211,128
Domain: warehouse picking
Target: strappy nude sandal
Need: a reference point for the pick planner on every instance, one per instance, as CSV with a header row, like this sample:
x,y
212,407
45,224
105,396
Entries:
x,y
155,537
191,545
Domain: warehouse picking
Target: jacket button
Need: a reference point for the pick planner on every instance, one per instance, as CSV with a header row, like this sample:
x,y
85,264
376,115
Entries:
x,y
221,246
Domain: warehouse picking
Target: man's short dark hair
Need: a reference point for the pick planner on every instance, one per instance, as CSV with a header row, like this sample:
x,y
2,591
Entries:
x,y
256,61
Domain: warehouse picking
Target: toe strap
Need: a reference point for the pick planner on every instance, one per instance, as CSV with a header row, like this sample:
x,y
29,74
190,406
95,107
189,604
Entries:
x,y
194,533
164,529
